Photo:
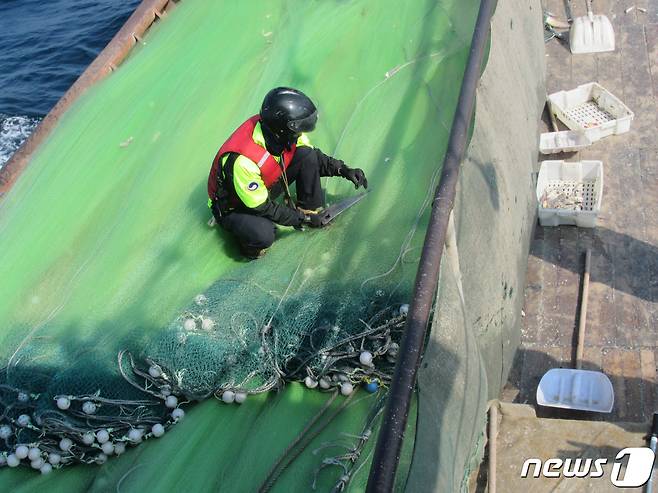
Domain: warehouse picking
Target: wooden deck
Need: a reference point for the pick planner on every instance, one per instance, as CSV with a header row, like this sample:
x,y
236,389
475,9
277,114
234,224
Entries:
x,y
622,321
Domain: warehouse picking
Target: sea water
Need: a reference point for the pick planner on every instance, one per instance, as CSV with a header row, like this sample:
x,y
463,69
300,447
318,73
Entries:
x,y
44,47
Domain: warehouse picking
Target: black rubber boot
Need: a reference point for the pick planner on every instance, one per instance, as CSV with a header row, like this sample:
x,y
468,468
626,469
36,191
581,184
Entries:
x,y
252,253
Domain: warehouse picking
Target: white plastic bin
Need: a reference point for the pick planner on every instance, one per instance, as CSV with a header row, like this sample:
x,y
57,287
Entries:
x,y
570,193
576,389
592,109
569,141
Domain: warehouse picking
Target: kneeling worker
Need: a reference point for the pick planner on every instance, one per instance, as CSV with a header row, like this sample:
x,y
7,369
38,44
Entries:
x,y
257,163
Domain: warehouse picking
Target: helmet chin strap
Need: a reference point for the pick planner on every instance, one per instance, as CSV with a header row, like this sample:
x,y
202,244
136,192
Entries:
x,y
286,187
275,147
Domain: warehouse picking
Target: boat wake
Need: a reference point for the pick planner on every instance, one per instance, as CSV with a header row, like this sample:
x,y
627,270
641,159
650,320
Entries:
x,y
14,130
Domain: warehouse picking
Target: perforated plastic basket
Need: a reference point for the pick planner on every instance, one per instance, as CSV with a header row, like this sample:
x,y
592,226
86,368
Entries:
x,y
564,181
592,109
569,141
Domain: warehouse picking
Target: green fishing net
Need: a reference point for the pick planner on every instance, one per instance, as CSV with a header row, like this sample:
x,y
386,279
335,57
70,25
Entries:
x,y
119,304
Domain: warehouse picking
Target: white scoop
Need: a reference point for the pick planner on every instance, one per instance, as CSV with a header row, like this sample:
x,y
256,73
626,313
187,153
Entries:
x,y
591,33
576,389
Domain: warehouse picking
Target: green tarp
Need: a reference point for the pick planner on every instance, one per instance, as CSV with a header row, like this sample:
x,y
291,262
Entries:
x,y
103,240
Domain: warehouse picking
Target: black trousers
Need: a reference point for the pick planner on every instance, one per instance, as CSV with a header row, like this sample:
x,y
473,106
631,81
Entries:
x,y
255,233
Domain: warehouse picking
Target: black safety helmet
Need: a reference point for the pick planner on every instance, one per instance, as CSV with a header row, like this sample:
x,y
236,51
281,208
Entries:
x,y
287,113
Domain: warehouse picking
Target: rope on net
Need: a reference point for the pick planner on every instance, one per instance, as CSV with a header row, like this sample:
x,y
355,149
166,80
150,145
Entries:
x,y
55,431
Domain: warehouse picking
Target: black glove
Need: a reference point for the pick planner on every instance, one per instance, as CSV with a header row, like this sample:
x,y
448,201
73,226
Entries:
x,y
299,226
314,220
356,176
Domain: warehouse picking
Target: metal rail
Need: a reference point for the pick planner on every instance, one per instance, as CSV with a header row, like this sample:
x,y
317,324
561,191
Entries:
x,y
391,434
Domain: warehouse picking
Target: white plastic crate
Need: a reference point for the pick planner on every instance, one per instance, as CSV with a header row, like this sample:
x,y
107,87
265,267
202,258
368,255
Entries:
x,y
569,141
592,109
570,193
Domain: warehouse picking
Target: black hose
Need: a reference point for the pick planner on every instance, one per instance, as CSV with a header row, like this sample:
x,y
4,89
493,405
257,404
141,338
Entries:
x,y
391,434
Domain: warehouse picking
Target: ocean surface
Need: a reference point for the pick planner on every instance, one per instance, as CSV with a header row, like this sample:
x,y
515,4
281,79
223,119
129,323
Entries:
x,y
44,47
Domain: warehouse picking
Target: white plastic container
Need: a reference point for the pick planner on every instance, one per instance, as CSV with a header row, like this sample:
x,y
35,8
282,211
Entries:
x,y
576,389
592,109
567,141
559,182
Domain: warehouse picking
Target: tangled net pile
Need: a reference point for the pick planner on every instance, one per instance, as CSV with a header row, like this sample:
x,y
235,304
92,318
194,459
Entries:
x,y
208,351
